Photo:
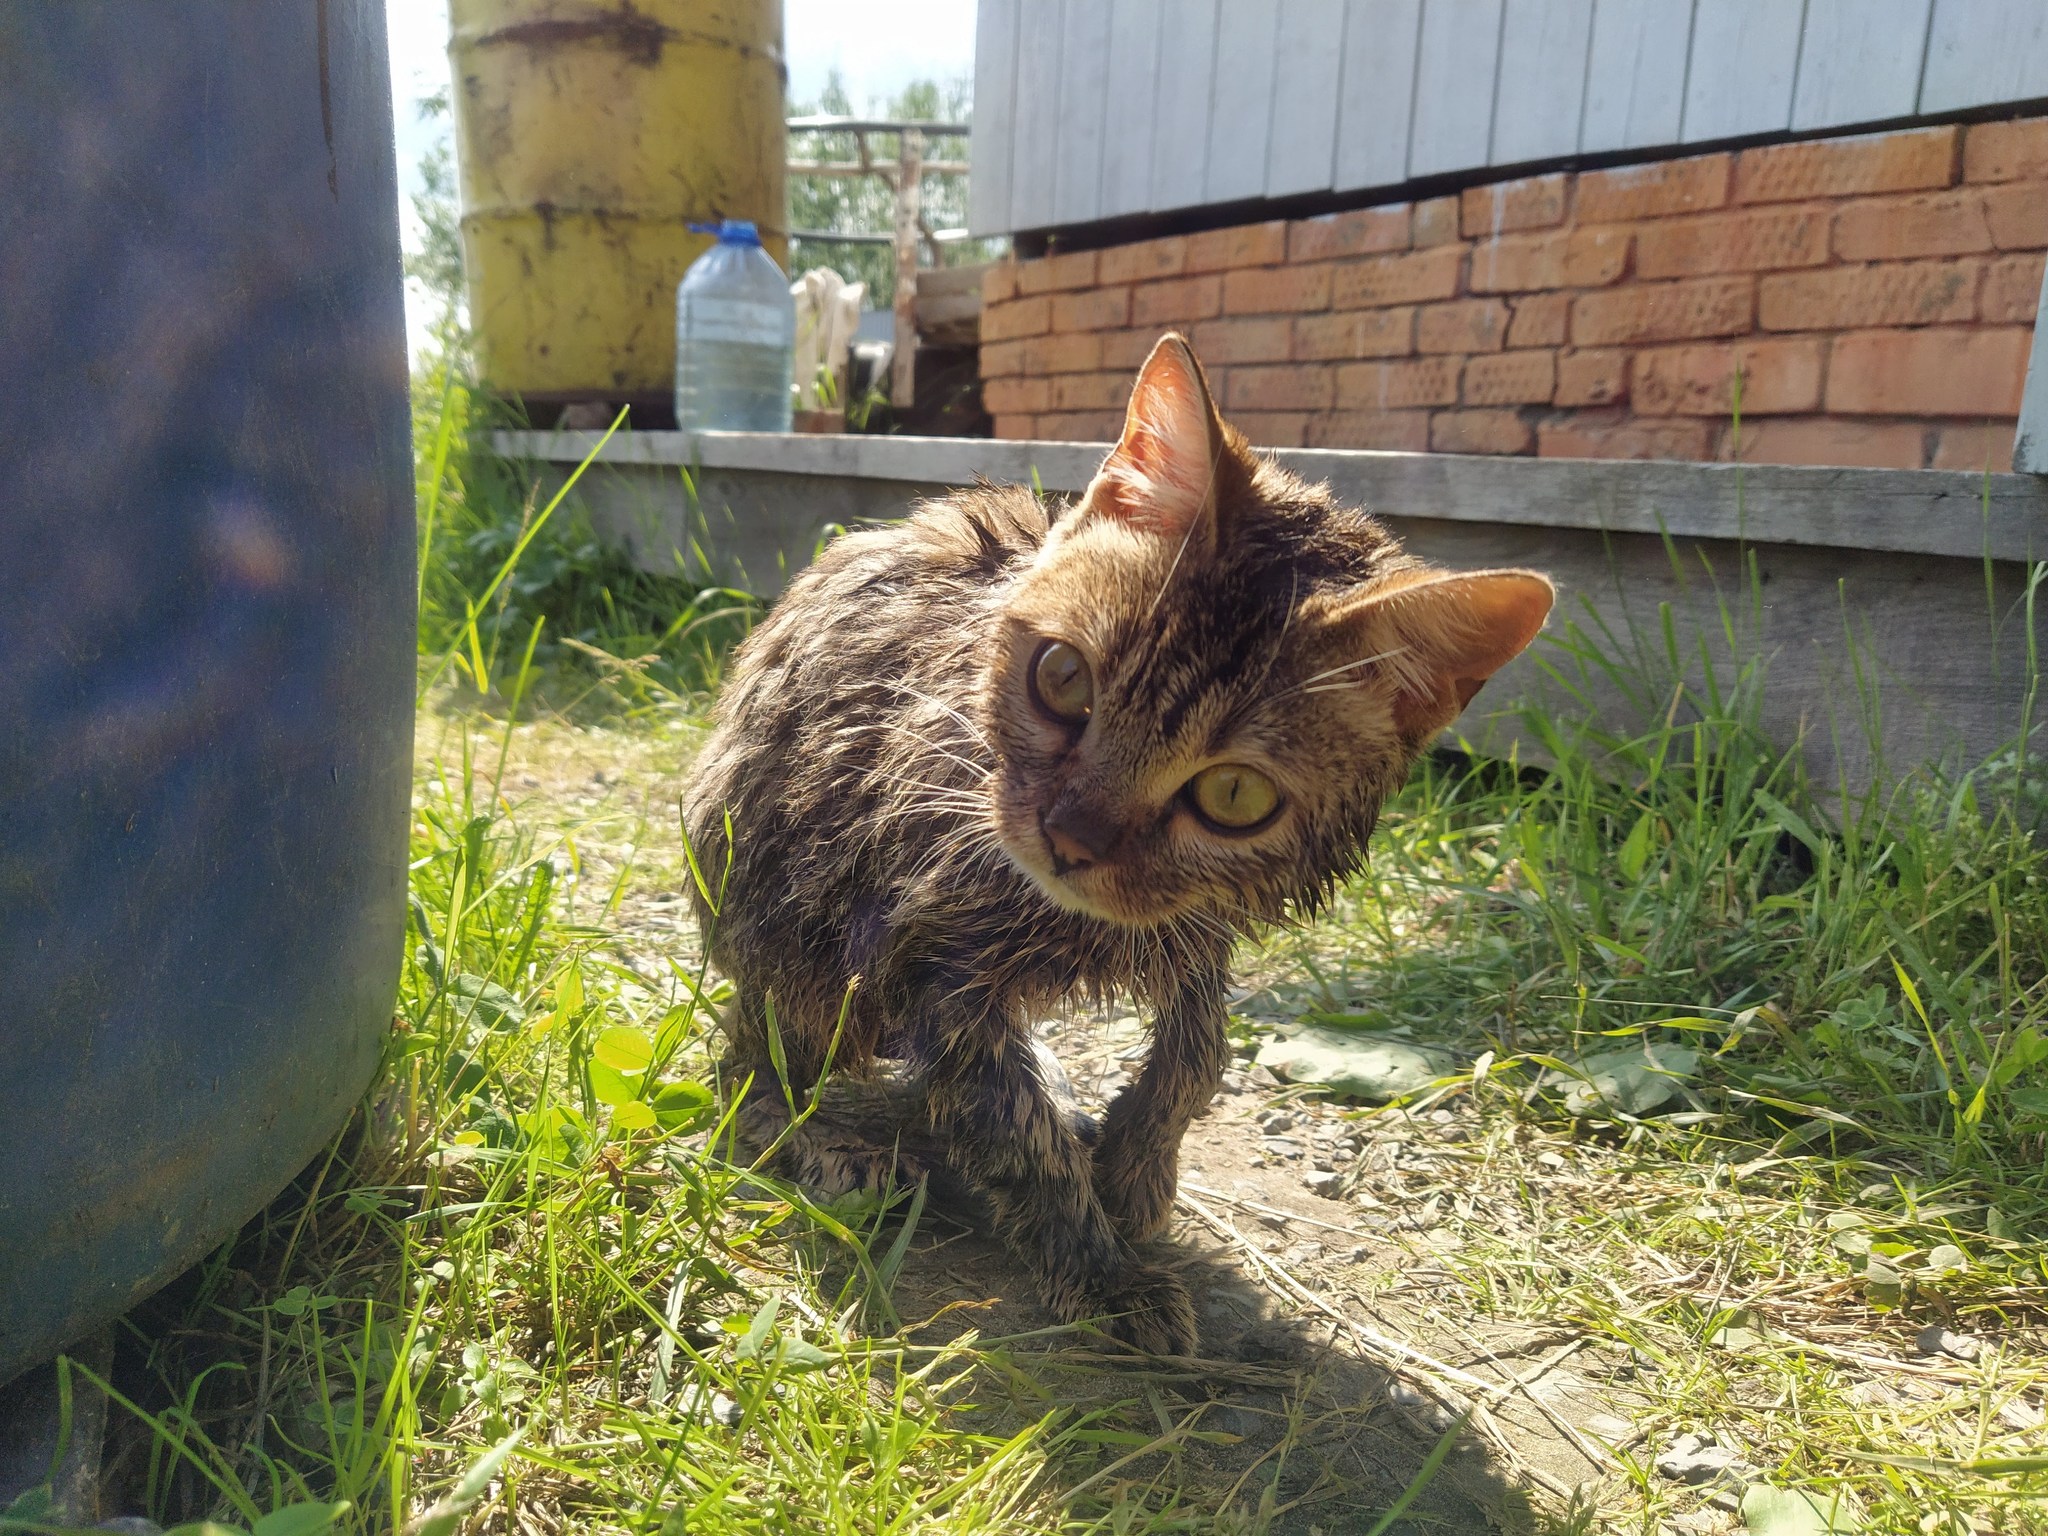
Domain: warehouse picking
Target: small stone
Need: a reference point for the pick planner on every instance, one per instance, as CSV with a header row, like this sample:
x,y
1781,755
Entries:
x,y
710,1406
1262,1077
1550,1160
1358,1255
1235,1082
1282,1146
1607,1426
1697,1460
1275,1121
1441,1117
1325,1183
1273,1219
1937,1340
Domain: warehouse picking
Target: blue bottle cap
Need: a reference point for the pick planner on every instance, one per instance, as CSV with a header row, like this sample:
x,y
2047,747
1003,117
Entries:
x,y
730,231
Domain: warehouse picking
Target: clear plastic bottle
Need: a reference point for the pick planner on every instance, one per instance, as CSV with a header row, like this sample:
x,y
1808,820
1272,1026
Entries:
x,y
735,338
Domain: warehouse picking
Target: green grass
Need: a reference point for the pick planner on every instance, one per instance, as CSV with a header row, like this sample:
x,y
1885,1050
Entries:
x,y
517,591
529,1257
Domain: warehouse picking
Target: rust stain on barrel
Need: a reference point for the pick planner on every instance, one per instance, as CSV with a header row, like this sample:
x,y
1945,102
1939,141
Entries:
x,y
640,37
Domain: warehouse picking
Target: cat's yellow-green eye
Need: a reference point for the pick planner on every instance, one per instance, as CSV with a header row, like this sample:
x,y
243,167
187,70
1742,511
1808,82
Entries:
x,y
1061,683
1233,797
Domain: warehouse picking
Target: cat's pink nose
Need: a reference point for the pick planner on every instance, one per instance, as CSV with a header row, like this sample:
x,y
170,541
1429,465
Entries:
x,y
1079,835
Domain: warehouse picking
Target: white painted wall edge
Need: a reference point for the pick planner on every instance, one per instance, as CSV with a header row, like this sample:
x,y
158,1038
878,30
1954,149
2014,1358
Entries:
x,y
1933,512
2030,443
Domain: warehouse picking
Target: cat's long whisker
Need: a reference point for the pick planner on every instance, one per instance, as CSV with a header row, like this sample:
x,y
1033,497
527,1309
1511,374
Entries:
x,y
979,770
925,784
940,704
1363,661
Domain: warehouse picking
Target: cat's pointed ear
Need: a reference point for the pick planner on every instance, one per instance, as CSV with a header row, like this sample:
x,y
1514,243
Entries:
x,y
1161,478
1442,634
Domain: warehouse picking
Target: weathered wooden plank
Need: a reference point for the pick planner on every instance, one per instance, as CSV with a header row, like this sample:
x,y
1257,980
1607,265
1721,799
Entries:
x,y
1241,94
1376,92
1745,55
1984,51
1838,609
1635,74
2030,444
1130,120
1187,61
1084,100
1033,161
1455,70
1308,61
1929,512
1859,61
995,102
1543,58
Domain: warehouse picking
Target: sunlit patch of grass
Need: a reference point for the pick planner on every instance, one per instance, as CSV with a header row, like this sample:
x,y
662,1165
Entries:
x,y
1858,1147
531,1290
535,1230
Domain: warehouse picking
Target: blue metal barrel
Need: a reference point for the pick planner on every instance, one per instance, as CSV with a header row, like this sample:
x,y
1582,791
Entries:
x,y
206,626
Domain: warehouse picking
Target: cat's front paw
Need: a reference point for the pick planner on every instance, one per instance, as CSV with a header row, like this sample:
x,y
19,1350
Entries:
x,y
1149,1310
1136,1191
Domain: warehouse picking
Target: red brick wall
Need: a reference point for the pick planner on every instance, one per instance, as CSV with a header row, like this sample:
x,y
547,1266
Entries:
x,y
1875,294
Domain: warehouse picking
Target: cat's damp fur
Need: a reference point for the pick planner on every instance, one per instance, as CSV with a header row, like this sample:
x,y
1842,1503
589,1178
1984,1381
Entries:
x,y
889,887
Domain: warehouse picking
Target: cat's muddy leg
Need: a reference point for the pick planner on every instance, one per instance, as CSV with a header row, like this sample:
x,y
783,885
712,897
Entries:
x,y
1012,1142
1137,1160
865,1133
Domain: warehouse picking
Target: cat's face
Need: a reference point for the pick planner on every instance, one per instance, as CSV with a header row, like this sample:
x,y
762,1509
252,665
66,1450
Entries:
x,y
1212,675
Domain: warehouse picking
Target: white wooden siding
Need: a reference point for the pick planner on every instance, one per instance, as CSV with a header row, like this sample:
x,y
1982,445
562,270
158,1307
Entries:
x,y
1034,156
1132,116
1095,109
1308,61
995,105
1180,147
1544,48
1455,72
1084,104
1241,100
1376,91
1985,50
1635,74
1740,72
1859,61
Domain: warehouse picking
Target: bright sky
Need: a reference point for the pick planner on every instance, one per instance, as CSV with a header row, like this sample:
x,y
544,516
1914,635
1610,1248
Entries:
x,y
878,48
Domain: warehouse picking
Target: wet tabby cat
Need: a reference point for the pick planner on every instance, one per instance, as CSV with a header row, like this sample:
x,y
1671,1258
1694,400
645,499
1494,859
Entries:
x,y
1003,753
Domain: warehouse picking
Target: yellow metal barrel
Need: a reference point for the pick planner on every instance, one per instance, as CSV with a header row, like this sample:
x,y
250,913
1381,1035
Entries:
x,y
591,133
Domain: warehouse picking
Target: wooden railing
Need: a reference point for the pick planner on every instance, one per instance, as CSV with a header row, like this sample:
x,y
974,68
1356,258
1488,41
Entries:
x,y
904,176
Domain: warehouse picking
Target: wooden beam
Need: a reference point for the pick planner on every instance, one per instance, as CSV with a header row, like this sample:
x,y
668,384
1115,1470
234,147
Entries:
x,y
1950,513
909,173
